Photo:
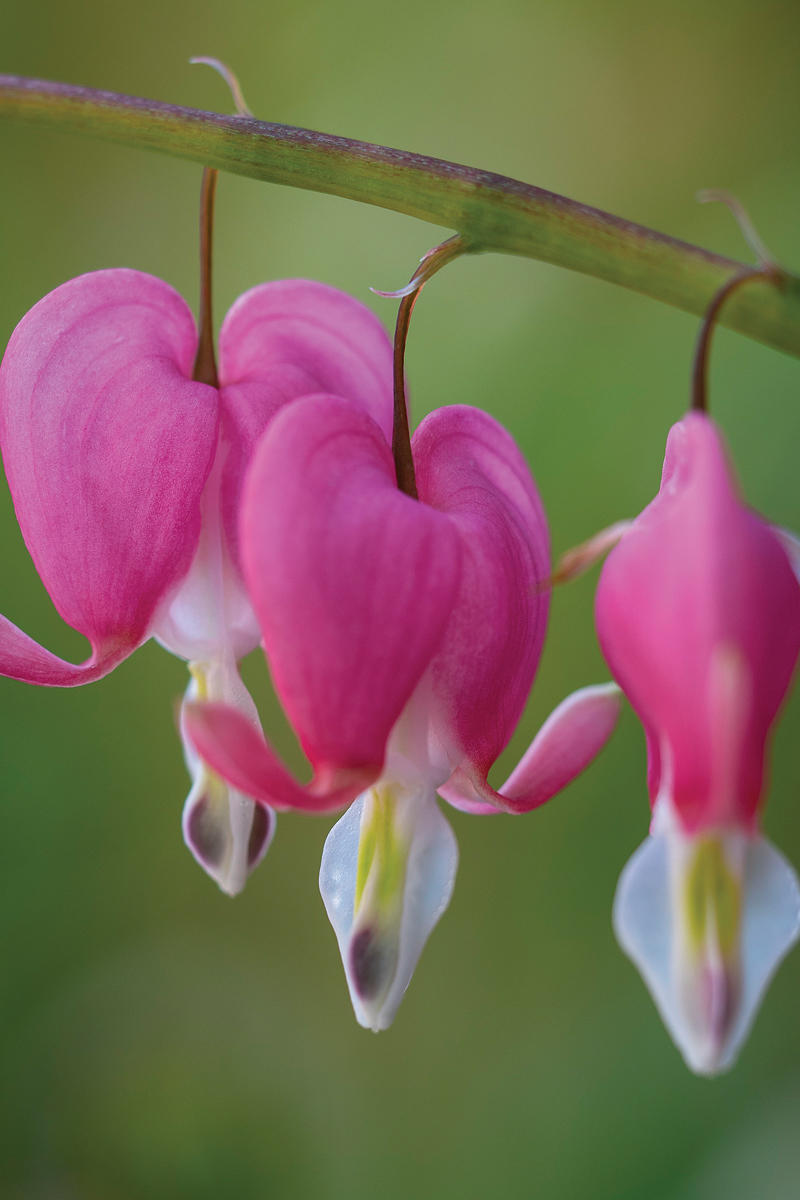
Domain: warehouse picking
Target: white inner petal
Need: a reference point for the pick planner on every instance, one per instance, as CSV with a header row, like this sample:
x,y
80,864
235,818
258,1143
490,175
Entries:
x,y
209,621
227,833
209,615
650,925
384,913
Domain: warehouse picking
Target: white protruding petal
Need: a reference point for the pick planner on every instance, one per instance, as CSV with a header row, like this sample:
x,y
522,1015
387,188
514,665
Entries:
x,y
205,614
384,915
650,925
227,833
209,615
209,621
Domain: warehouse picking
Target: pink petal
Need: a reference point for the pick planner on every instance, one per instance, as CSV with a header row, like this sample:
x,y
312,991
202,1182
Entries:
x,y
469,467
234,748
107,445
292,338
698,615
352,581
571,737
23,658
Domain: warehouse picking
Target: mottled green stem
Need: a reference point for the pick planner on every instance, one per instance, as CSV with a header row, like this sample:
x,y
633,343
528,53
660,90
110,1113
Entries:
x,y
490,212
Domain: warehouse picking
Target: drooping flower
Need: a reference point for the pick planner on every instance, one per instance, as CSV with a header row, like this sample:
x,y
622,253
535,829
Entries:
x,y
698,615
403,637
126,476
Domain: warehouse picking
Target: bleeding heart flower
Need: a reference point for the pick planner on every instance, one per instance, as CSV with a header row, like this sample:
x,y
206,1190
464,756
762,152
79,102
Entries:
x,y
403,638
698,615
126,476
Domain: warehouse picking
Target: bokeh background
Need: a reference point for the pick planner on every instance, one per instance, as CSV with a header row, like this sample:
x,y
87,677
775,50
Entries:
x,y
159,1041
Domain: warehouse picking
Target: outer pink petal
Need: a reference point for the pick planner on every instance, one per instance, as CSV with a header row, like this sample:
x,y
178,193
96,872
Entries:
x,y
23,658
470,468
571,737
352,581
107,445
698,615
234,748
293,338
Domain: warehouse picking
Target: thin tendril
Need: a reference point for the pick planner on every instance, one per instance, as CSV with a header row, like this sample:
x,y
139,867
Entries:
x,y
433,261
742,218
205,366
231,80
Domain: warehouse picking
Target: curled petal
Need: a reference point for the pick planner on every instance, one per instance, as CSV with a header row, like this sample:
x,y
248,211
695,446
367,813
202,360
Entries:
x,y
352,581
707,922
237,751
571,737
23,658
469,467
107,445
292,338
387,875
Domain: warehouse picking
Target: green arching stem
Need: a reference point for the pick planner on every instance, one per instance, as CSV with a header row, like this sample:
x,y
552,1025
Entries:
x,y
490,212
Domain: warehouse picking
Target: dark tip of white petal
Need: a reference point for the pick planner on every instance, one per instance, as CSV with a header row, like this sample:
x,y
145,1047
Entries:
x,y
260,832
371,963
206,835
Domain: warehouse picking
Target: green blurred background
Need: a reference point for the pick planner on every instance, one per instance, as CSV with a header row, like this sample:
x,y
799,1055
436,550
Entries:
x,y
160,1041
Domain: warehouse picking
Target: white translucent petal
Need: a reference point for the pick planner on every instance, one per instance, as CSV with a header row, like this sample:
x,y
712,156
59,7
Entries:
x,y
226,832
209,615
644,926
209,611
431,863
771,927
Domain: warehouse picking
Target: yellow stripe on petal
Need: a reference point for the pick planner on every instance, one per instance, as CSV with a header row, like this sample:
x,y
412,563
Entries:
x,y
713,900
382,851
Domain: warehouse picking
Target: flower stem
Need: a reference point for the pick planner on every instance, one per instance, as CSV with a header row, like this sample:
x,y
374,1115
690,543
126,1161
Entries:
x,y
205,366
492,212
433,261
767,272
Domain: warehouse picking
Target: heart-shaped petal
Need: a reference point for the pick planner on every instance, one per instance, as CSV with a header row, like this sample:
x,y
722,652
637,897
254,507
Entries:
x,y
353,581
107,444
286,339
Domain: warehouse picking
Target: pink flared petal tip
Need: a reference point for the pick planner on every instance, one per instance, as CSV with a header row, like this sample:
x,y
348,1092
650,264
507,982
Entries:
x,y
570,739
237,751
